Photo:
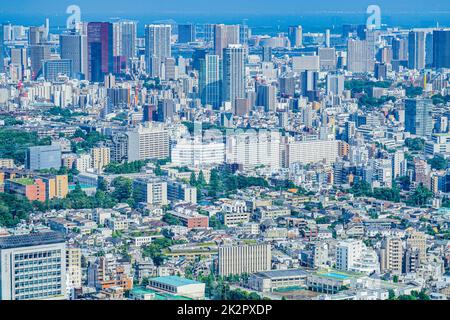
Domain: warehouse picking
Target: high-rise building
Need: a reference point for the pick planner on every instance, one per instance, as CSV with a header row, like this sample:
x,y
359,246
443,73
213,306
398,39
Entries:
x,y
38,54
418,117
233,73
124,39
209,81
74,47
335,84
358,60
266,96
101,157
441,48
327,59
151,191
186,33
416,50
295,35
55,68
225,35
43,157
236,260
391,255
150,142
2,48
100,50
33,267
400,49
73,267
418,240
157,47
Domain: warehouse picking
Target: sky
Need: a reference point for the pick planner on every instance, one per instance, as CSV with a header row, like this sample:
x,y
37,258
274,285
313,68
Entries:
x,y
154,7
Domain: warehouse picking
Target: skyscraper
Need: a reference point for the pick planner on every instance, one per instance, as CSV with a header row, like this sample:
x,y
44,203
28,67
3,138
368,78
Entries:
x,y
441,48
157,47
295,35
125,33
233,73
358,56
38,54
100,50
209,81
418,118
416,50
266,96
74,47
2,49
186,33
225,35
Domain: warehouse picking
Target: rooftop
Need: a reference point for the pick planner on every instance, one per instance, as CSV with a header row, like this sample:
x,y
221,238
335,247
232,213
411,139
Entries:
x,y
24,181
175,281
30,240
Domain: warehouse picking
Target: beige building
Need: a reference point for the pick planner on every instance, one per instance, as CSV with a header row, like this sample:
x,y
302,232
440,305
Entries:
x,y
418,240
7,163
391,255
236,260
101,157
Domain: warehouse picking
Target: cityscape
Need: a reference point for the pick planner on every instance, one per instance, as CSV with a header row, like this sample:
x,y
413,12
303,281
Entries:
x,y
152,156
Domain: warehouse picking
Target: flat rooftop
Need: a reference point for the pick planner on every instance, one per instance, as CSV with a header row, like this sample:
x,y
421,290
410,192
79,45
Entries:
x,y
175,281
32,239
282,273
23,181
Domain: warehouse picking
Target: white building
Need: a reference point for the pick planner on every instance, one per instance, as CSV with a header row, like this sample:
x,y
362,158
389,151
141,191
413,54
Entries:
x,y
193,153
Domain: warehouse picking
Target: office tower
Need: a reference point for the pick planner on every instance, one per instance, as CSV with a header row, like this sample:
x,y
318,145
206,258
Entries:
x,y
358,56
418,118
2,48
55,68
287,85
169,69
309,85
19,59
124,39
101,157
37,36
308,152
208,33
157,47
335,84
33,267
327,59
74,47
350,29
209,81
400,49
100,50
251,149
43,157
149,113
295,35
381,71
233,73
305,63
441,49
166,110
149,142
429,51
38,53
236,260
241,107
266,54
391,255
225,35
152,191
186,33
328,38
266,96
416,50
244,33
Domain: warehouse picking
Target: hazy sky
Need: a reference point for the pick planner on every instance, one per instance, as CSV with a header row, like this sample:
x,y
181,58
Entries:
x,y
217,6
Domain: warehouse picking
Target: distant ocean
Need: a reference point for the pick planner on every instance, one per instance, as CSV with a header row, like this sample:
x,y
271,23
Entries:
x,y
260,24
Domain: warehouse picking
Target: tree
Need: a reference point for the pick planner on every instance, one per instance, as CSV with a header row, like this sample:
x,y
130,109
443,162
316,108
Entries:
x,y
123,189
415,144
420,196
214,183
193,180
438,163
201,179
